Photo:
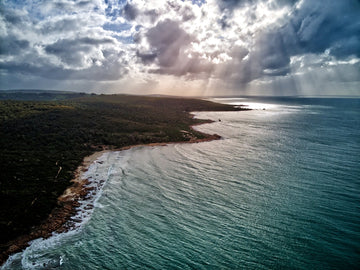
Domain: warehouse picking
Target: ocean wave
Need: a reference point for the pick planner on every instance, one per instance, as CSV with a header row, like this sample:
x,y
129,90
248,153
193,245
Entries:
x,y
97,174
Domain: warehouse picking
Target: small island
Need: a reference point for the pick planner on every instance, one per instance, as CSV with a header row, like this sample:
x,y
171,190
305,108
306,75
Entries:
x,y
49,137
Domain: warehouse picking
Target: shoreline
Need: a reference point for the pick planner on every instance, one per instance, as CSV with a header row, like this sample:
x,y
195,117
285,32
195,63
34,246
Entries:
x,y
59,220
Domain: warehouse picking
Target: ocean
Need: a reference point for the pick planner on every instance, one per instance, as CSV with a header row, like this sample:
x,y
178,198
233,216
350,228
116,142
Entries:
x,y
280,190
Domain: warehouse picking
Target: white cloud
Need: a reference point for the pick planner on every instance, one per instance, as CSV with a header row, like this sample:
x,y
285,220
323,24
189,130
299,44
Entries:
x,y
232,44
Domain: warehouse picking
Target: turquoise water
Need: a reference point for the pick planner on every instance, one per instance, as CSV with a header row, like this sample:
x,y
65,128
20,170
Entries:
x,y
279,191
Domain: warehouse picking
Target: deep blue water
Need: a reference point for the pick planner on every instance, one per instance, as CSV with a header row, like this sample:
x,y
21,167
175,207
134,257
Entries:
x,y
281,190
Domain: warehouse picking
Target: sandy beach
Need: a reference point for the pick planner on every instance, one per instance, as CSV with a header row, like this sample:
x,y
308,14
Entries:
x,y
59,220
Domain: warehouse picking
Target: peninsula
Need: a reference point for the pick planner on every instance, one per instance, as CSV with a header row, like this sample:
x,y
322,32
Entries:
x,y
45,137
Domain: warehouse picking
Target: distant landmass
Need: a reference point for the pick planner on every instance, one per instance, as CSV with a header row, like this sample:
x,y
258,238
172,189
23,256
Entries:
x,y
34,94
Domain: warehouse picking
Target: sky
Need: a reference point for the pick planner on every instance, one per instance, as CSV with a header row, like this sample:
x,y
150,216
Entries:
x,y
182,47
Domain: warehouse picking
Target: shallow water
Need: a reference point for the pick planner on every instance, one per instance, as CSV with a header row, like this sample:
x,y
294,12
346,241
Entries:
x,y
279,191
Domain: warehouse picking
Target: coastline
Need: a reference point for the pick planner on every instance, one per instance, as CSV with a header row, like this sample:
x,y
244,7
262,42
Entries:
x,y
59,220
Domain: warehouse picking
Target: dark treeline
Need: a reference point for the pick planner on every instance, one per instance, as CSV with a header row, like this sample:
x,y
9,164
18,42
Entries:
x,y
43,142
38,95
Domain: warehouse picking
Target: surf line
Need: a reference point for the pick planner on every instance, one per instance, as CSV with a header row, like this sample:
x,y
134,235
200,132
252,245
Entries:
x,y
81,196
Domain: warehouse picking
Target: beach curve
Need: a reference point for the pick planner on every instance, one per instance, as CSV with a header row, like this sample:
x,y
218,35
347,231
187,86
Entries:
x,y
64,217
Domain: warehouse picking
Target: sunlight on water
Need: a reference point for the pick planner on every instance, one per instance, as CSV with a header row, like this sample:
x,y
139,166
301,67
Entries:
x,y
247,103
244,102
256,106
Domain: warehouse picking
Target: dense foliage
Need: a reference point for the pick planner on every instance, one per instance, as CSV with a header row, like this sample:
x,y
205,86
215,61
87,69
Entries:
x,y
43,142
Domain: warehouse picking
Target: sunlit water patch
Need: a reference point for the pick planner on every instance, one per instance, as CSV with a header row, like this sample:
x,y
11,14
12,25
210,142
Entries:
x,y
280,190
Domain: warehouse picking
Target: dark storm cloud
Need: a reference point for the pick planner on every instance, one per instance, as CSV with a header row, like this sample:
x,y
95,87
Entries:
x,y
166,40
130,12
13,17
268,57
238,52
146,58
83,3
71,51
11,45
272,52
330,25
351,46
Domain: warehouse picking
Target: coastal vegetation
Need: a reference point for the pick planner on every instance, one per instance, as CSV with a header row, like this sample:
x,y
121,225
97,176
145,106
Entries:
x,y
44,140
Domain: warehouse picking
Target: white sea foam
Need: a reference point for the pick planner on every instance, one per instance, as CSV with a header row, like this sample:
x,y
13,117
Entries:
x,y
61,260
97,174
